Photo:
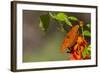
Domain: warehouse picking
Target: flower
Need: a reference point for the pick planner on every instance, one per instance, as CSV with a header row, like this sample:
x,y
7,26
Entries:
x,y
78,48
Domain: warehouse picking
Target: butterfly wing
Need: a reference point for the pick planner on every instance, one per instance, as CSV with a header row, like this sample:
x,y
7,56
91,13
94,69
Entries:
x,y
70,38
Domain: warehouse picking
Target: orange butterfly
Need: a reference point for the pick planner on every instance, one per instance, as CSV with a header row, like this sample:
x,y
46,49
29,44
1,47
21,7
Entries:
x,y
70,39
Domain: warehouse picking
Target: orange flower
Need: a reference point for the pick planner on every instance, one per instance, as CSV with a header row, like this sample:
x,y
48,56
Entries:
x,y
78,48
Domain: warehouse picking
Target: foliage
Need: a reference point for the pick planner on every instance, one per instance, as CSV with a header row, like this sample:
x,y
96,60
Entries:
x,y
88,25
86,51
86,33
72,18
44,22
63,19
59,17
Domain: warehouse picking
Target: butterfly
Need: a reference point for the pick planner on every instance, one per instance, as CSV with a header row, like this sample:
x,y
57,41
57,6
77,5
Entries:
x,y
70,39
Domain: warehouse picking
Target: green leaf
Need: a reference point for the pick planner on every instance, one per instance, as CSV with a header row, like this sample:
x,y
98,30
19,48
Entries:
x,y
68,22
61,29
64,18
61,17
52,15
72,18
44,22
85,52
86,33
88,25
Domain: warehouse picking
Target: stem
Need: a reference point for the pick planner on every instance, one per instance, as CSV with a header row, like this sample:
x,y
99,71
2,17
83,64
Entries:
x,y
61,26
82,31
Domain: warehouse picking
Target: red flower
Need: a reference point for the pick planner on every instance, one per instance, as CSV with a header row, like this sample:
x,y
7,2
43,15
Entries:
x,y
78,49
